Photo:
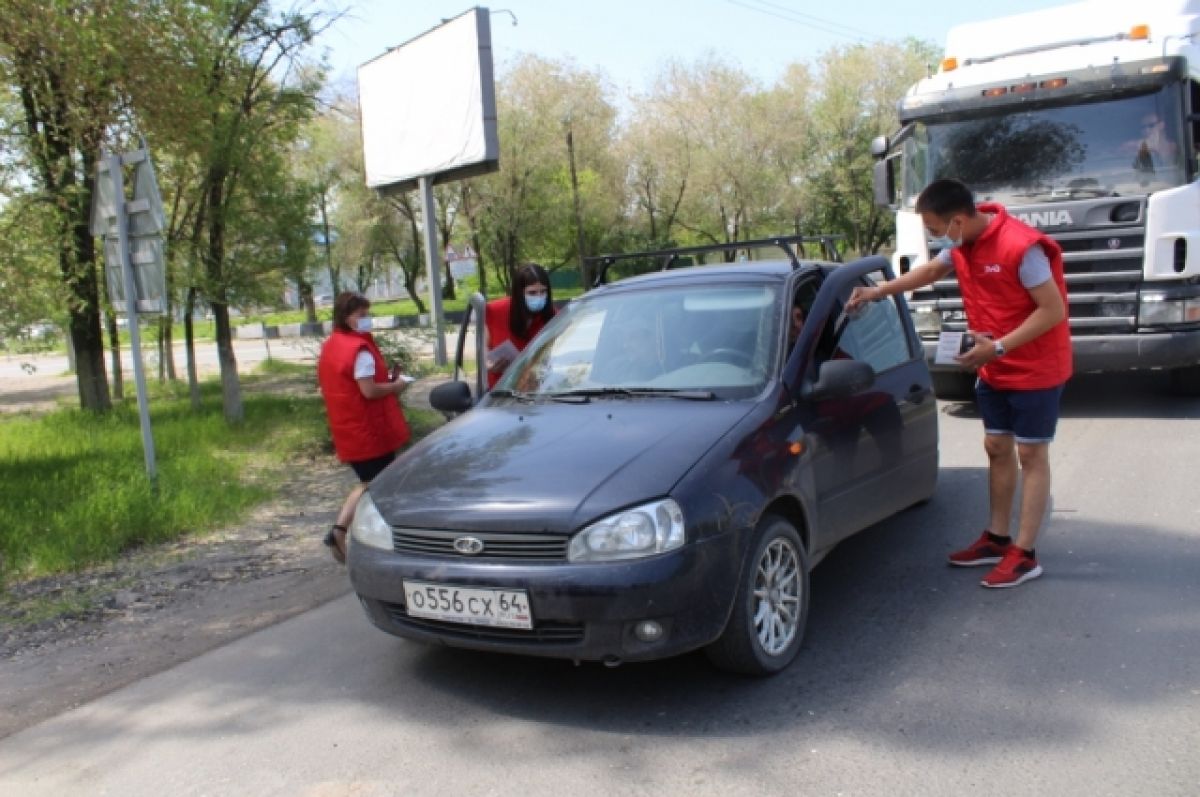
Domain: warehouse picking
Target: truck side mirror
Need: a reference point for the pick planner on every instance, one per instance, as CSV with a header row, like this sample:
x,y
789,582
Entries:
x,y
884,178
880,146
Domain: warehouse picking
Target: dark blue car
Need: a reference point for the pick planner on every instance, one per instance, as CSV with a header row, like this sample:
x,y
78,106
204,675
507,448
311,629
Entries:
x,y
657,472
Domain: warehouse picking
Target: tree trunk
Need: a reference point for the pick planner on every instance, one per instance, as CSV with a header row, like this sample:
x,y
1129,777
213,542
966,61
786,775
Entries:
x,y
168,333
305,289
334,275
231,388
189,344
114,341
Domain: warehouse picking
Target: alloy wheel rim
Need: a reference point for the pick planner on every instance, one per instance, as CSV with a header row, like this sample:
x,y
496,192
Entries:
x,y
777,600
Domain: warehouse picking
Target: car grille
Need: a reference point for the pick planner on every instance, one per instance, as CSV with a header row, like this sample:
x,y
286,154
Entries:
x,y
496,545
545,633
1103,270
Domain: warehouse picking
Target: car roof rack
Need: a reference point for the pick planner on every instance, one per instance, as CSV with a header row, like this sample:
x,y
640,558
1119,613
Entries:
x,y
790,244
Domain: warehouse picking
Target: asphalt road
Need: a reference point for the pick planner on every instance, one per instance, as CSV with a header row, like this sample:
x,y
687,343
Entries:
x,y
913,679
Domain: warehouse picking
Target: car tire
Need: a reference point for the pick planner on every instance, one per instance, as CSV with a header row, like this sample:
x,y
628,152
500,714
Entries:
x,y
951,386
1186,381
770,610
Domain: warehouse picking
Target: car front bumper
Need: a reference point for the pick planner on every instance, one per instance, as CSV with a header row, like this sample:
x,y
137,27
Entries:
x,y
1098,353
585,612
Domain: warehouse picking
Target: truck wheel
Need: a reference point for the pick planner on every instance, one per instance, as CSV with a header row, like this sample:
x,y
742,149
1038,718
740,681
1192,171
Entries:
x,y
771,606
1186,381
951,386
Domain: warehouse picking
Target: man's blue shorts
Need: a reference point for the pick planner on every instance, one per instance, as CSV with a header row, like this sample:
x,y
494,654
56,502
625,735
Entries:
x,y
1029,415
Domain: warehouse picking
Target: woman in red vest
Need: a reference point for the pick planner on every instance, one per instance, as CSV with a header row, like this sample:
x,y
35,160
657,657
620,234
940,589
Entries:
x,y
361,403
514,320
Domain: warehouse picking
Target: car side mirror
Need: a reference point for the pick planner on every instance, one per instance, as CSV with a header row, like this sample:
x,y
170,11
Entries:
x,y
837,379
883,176
880,146
452,397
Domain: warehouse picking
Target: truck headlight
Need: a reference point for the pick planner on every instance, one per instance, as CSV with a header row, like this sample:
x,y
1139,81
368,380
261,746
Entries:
x,y
644,530
927,321
369,527
1156,309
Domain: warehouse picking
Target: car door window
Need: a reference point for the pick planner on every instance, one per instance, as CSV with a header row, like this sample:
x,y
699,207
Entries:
x,y
874,334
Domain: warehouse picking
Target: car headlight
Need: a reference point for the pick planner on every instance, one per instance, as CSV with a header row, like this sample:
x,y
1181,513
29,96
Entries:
x,y
369,527
630,534
927,321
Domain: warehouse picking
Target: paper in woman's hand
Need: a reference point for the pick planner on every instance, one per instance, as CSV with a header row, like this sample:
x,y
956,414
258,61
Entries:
x,y
502,355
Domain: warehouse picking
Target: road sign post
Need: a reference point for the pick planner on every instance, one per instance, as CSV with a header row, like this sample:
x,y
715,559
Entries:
x,y
111,219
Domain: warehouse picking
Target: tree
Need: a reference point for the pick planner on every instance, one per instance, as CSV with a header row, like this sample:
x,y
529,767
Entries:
x,y
250,96
58,59
857,90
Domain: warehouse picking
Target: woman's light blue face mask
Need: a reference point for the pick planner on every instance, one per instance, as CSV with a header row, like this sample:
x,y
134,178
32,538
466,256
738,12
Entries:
x,y
364,324
535,302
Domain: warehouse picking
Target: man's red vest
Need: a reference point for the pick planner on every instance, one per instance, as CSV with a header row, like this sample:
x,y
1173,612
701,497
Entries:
x,y
362,428
996,303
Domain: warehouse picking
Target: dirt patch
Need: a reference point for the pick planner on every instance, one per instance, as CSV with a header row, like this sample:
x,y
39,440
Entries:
x,y
68,639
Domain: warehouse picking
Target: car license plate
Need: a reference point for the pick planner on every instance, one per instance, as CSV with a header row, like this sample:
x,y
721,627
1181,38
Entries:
x,y
501,608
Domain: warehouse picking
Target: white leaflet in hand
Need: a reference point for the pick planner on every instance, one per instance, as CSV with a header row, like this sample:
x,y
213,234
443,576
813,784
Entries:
x,y
948,348
503,354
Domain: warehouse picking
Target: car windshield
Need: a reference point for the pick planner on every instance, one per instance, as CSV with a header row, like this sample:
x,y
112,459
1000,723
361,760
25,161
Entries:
x,y
675,339
1117,147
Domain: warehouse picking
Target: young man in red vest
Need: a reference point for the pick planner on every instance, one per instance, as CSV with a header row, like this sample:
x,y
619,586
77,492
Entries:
x,y
1015,297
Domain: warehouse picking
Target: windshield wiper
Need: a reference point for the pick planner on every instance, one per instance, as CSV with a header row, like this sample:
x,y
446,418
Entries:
x,y
1068,193
514,394
689,394
529,398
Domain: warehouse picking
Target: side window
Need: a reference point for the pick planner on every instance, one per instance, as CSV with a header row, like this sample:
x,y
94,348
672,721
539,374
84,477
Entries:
x,y
875,335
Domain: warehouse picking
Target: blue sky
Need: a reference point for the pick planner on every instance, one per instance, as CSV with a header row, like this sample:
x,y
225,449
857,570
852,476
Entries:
x,y
629,39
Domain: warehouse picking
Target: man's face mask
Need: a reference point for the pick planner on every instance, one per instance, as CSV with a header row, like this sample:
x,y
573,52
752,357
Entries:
x,y
944,241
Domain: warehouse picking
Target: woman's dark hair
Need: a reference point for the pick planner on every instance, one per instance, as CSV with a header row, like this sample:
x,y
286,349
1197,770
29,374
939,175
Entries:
x,y
946,197
345,305
519,316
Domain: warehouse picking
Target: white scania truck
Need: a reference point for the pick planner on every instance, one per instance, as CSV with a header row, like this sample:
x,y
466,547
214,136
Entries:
x,y
1084,121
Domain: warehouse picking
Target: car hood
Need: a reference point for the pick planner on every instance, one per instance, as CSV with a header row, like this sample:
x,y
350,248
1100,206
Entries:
x,y
549,466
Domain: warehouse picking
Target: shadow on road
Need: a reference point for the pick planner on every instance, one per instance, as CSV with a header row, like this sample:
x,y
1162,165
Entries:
x,y
1136,394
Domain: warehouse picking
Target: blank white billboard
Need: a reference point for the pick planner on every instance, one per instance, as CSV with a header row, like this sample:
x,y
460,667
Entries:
x,y
428,107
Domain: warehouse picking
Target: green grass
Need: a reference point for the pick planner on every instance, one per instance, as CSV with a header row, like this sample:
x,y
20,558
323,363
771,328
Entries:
x,y
73,487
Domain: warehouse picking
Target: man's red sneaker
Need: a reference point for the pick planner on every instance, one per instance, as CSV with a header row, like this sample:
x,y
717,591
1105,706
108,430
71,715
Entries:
x,y
1017,567
981,552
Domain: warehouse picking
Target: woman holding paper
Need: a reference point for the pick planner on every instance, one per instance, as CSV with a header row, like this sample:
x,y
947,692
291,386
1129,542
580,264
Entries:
x,y
365,417
514,320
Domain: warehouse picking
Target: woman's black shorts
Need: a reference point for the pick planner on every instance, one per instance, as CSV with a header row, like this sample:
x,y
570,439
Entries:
x,y
368,469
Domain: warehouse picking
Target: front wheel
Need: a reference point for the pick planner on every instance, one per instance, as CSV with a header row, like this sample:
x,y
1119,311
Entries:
x,y
771,607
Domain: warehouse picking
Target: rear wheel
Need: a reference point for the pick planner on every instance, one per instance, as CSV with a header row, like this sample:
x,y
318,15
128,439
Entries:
x,y
953,386
1186,381
771,607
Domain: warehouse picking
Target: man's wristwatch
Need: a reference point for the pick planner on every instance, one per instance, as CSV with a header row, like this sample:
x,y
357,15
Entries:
x,y
1000,350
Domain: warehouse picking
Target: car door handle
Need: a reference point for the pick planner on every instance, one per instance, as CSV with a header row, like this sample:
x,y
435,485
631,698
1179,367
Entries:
x,y
916,394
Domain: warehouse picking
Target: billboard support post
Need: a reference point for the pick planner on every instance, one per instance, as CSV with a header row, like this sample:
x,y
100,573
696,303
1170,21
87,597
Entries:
x,y
433,262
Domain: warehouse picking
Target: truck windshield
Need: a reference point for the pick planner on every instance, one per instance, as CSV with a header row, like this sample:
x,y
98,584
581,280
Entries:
x,y
717,338
1128,146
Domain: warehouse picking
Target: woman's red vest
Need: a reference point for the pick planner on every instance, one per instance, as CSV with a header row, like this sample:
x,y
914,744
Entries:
x,y
996,303
362,428
496,315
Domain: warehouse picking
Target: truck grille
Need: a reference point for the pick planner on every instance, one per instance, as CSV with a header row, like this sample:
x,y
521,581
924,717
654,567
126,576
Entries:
x,y
496,545
545,633
1103,270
